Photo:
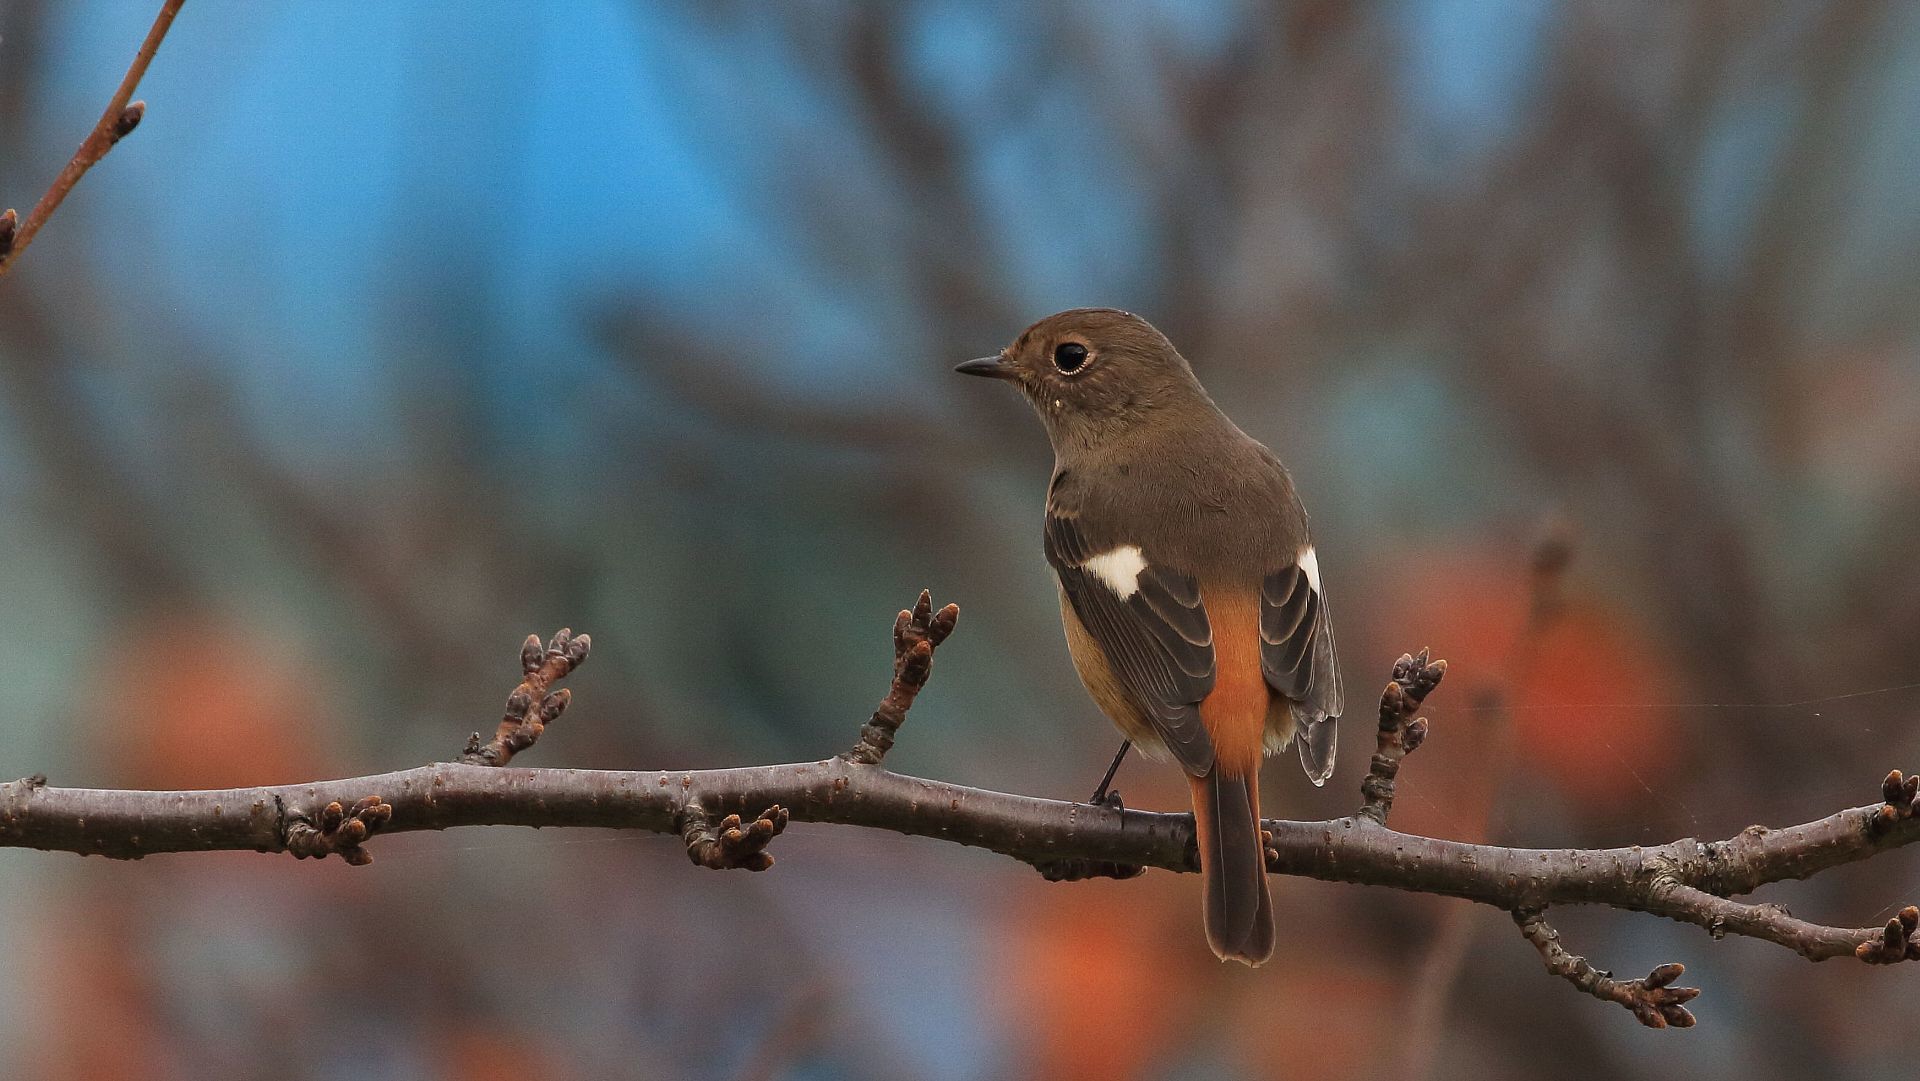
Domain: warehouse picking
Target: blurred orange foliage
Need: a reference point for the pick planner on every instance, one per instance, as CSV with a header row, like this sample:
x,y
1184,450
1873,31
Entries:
x,y
198,701
1584,700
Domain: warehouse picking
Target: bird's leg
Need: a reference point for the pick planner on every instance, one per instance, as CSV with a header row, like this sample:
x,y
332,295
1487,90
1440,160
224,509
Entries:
x,y
1101,795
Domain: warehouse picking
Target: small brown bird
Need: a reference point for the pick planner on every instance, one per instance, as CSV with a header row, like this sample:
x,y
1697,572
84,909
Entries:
x,y
1190,592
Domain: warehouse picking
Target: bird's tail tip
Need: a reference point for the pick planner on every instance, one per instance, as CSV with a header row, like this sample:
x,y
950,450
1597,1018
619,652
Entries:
x,y
1237,906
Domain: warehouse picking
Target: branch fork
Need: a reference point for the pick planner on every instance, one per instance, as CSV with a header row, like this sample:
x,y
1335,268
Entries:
x,y
1653,1000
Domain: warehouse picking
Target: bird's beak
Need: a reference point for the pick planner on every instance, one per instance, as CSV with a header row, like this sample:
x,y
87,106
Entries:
x,y
992,367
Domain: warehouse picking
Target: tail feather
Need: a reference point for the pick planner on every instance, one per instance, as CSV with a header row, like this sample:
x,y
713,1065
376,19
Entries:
x,y
1233,865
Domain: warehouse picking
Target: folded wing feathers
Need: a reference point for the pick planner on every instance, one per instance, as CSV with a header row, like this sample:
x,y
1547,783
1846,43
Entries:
x,y
1297,644
1155,634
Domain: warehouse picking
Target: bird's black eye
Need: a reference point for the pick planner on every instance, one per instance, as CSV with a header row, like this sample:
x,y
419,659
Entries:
x,y
1069,357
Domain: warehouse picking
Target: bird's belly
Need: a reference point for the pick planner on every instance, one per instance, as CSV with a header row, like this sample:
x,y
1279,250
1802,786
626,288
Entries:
x,y
1105,688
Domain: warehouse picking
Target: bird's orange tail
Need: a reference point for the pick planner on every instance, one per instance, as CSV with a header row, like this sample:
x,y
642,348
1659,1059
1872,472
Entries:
x,y
1233,863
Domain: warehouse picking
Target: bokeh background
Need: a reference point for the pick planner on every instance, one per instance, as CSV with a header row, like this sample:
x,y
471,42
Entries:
x,y
399,331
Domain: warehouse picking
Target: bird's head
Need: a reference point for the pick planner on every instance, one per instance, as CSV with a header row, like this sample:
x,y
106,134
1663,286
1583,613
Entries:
x,y
1094,374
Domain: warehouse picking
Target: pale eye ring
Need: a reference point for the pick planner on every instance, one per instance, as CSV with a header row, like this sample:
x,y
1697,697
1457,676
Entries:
x,y
1069,357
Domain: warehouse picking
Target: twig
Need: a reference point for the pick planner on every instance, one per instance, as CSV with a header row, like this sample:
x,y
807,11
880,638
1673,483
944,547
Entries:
x,y
1652,1000
916,634
532,707
1773,923
115,124
1686,880
1401,732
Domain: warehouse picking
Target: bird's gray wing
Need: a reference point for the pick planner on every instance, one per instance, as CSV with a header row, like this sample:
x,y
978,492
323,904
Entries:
x,y
1155,636
1297,656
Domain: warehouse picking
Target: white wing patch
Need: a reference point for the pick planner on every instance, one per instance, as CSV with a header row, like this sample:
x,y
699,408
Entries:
x,y
1119,569
1311,564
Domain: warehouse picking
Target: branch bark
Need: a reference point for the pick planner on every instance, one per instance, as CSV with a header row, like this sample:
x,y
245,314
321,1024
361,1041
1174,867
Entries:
x,y
727,818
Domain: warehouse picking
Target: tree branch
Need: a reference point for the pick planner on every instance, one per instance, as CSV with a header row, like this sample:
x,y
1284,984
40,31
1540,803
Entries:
x,y
1652,1001
115,124
1687,880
